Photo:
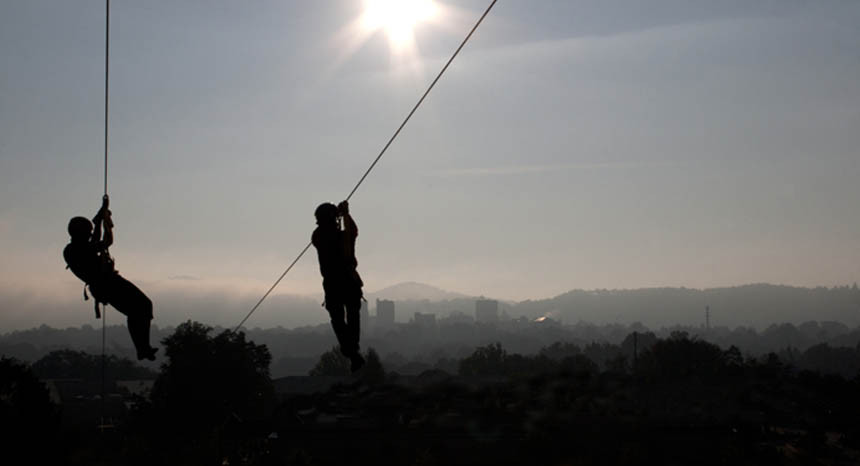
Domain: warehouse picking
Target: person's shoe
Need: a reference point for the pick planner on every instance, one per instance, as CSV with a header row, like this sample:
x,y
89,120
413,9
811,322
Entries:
x,y
357,363
148,354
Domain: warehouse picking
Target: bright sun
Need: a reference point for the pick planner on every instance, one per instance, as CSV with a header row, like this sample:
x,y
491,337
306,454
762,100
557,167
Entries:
x,y
397,18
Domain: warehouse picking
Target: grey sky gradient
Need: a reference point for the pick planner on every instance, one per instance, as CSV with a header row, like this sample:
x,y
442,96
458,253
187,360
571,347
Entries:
x,y
575,144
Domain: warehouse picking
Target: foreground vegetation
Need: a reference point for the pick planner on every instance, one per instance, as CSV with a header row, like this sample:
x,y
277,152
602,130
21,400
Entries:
x,y
677,400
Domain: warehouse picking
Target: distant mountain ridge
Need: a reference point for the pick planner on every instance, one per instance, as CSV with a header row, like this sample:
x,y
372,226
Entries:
x,y
414,291
758,304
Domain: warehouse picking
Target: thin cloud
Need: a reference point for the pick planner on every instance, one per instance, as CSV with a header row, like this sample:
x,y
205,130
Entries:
x,y
183,277
531,169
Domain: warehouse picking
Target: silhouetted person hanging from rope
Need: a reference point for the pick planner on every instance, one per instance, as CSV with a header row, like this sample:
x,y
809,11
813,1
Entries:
x,y
334,239
88,258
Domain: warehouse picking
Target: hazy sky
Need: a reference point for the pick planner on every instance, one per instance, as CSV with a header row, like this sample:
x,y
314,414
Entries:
x,y
572,144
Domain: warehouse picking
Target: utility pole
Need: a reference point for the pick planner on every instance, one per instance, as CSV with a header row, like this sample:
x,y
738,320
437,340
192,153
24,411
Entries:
x,y
708,317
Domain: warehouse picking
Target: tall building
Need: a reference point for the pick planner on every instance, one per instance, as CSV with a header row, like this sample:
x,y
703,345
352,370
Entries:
x,y
384,313
487,311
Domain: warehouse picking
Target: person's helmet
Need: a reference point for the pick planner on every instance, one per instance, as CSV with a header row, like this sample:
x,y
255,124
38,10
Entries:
x,y
80,227
326,212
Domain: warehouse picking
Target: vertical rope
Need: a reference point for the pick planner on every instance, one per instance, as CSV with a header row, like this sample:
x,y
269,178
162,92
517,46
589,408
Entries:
x,y
104,307
107,81
104,364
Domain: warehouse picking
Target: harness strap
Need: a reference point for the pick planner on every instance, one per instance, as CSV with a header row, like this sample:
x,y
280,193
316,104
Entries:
x,y
95,303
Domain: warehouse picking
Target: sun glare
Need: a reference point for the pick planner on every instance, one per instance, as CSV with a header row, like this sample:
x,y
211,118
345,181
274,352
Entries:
x,y
397,18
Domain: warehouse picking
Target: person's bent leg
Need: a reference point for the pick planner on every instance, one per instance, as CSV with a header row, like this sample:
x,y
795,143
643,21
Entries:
x,y
131,323
129,300
338,324
353,324
138,327
353,311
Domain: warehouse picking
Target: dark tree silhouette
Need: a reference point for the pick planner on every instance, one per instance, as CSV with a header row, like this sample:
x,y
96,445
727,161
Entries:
x,y
485,360
211,393
373,372
332,362
640,342
560,350
578,365
681,356
823,358
29,422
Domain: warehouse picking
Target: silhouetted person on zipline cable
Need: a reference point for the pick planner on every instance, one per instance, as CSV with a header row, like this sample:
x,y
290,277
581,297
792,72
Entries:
x,y
342,285
88,258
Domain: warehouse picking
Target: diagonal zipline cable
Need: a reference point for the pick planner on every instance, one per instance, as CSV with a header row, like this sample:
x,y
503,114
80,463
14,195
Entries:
x,y
421,100
376,160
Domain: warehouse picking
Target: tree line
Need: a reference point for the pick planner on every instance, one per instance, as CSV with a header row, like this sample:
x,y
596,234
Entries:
x,y
214,400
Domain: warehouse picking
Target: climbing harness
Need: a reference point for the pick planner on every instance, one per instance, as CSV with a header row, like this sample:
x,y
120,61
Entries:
x,y
376,160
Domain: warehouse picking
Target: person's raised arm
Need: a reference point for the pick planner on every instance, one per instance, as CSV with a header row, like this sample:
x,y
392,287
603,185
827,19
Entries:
x,y
107,239
96,237
103,217
349,225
